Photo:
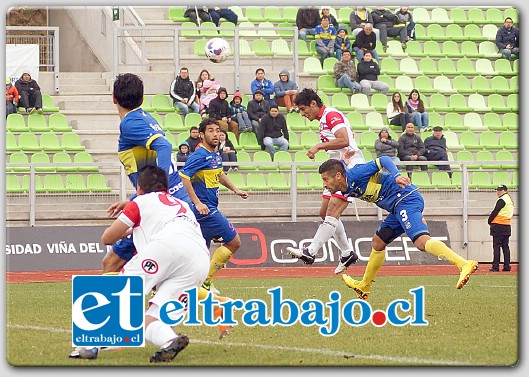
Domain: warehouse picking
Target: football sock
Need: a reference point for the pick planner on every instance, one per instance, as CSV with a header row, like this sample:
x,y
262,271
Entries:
x,y
376,260
203,293
439,249
323,234
341,239
220,257
159,333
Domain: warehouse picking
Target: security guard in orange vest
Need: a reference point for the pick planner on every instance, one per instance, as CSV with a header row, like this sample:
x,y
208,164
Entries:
x,y
500,228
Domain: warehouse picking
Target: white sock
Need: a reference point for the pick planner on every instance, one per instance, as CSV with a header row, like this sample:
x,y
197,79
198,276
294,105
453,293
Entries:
x,y
341,239
159,334
324,233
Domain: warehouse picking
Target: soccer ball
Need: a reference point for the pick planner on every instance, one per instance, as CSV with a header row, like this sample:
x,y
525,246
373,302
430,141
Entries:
x,y
217,50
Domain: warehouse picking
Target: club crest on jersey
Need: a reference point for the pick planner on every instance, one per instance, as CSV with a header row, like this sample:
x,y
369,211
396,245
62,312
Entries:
x,y
149,266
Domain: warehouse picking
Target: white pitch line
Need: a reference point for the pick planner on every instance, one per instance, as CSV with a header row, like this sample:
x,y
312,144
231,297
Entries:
x,y
319,351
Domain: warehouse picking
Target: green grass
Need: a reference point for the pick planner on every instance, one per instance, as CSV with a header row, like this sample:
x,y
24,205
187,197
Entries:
x,y
476,326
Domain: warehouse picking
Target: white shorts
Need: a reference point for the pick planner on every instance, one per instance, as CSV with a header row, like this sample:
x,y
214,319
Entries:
x,y
171,266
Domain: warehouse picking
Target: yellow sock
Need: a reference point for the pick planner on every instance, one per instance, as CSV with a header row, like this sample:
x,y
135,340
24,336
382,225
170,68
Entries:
x,y
376,260
111,273
439,249
220,257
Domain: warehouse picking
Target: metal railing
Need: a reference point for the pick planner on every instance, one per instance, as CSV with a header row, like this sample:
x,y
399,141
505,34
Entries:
x,y
47,38
130,42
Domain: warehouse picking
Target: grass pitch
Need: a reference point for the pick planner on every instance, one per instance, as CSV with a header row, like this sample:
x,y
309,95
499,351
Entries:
x,y
475,326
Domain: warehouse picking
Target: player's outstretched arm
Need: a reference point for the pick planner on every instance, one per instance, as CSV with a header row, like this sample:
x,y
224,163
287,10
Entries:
x,y
225,181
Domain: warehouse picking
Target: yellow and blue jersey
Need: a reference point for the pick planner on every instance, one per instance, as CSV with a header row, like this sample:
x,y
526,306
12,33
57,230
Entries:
x,y
204,169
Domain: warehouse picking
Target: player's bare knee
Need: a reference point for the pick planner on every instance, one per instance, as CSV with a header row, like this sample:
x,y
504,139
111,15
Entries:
x,y
234,244
112,262
420,242
377,243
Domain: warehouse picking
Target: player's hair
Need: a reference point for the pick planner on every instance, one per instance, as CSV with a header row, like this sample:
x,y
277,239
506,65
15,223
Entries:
x,y
202,126
306,96
332,166
152,178
128,90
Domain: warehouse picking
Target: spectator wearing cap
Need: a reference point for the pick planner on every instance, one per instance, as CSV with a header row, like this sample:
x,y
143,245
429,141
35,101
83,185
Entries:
x,y
500,229
342,42
386,146
12,97
257,108
273,132
436,149
286,91
219,109
264,85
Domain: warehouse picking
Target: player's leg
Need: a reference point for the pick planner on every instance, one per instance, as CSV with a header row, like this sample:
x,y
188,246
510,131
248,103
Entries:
x,y
120,253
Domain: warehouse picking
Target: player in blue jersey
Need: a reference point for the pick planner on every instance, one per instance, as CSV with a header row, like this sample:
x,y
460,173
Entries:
x,y
141,142
393,193
202,175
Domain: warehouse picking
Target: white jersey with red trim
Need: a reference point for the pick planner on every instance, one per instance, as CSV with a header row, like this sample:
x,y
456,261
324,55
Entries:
x,y
158,215
332,120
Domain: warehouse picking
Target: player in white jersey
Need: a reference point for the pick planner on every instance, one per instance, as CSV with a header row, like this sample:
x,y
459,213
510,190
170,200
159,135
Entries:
x,y
337,137
171,253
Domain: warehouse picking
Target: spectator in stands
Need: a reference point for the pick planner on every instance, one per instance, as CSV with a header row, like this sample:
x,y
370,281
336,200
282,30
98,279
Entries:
x,y
507,40
183,93
411,148
217,13
342,42
203,13
368,72
436,149
386,146
219,109
405,17
325,35
365,41
263,84
12,97
209,92
326,11
239,114
345,73
273,131
227,151
194,139
358,18
183,152
306,20
396,112
286,91
203,76
29,92
257,108
386,22
418,114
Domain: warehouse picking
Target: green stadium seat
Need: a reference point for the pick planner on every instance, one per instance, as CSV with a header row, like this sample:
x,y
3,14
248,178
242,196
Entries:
x,y
284,159
470,49
484,67
356,119
420,32
27,141
465,66
174,122
301,157
290,13
16,123
432,49
462,84
443,85
481,85
454,121
192,30
469,140
476,102
207,29
263,156
473,122
501,178
458,16
50,142
414,49
512,102
285,33
452,141
84,158
261,48
476,16
280,47
237,179
244,48
497,104
198,49
255,181
327,84
438,103
508,140
176,14
37,123
440,15
441,180
512,13
466,156
488,140
341,102
492,121
422,180
248,141
57,122
458,103
375,121
360,102
500,85
494,16
278,181
61,158
263,29
421,15
510,121
238,11
428,66
242,158
158,119
328,65
48,105
446,66
254,14
379,102
435,119
404,84
312,66
507,160
472,33
451,49
389,66
192,119
409,66
303,49
489,50
315,182
296,122
227,29
308,139
53,183
515,179
480,180
13,184
169,136
343,15
251,30
435,32
21,159
272,13
11,142
367,140
454,33
162,104
395,49
489,33
96,182
324,98
368,156
70,142
75,183
293,142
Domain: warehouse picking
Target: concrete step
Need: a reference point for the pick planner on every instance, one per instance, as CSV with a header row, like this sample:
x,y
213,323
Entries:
x,y
80,75
86,89
106,104
156,13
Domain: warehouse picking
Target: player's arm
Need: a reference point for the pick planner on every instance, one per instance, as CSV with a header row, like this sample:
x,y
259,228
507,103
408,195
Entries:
x,y
201,207
163,149
341,141
115,232
386,162
225,181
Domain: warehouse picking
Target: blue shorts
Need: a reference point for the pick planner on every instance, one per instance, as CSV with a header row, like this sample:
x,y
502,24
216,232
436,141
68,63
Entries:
x,y
125,248
407,218
215,226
